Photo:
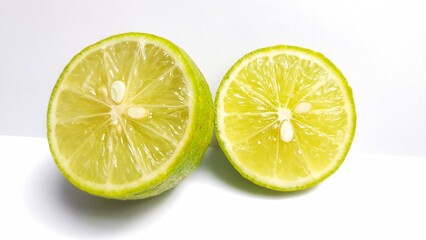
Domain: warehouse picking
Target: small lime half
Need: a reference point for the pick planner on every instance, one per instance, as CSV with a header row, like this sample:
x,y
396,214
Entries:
x,y
285,117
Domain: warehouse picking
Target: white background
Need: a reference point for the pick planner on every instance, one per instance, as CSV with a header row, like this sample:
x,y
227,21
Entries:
x,y
380,46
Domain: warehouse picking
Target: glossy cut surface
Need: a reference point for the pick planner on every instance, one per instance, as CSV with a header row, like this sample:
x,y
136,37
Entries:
x,y
285,117
123,114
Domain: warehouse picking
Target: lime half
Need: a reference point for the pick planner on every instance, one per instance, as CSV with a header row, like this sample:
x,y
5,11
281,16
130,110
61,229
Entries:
x,y
130,117
285,117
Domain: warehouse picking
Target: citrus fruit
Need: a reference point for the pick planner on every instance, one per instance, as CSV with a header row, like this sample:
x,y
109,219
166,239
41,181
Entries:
x,y
285,117
130,117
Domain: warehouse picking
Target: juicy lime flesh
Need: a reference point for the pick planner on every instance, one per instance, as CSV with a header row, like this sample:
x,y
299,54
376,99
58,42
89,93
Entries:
x,y
267,91
99,139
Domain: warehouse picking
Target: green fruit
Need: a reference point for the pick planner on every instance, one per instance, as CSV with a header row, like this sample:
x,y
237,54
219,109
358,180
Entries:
x,y
285,117
130,117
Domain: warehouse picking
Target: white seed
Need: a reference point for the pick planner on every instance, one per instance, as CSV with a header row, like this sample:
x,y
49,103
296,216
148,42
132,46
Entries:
x,y
286,131
137,112
303,107
118,89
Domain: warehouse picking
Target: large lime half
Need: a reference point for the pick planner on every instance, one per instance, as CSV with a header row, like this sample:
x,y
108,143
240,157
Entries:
x,y
130,117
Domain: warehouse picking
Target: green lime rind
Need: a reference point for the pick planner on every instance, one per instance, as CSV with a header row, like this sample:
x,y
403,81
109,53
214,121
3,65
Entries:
x,y
196,141
346,88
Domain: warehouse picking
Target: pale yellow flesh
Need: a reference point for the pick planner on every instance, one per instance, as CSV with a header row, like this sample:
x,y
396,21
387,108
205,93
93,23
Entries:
x,y
275,88
107,136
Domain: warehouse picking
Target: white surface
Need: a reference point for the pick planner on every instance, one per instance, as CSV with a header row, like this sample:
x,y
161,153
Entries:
x,y
379,46
369,197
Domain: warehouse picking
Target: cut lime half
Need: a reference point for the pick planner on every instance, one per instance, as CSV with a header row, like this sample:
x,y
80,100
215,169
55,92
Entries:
x,y
130,117
285,117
